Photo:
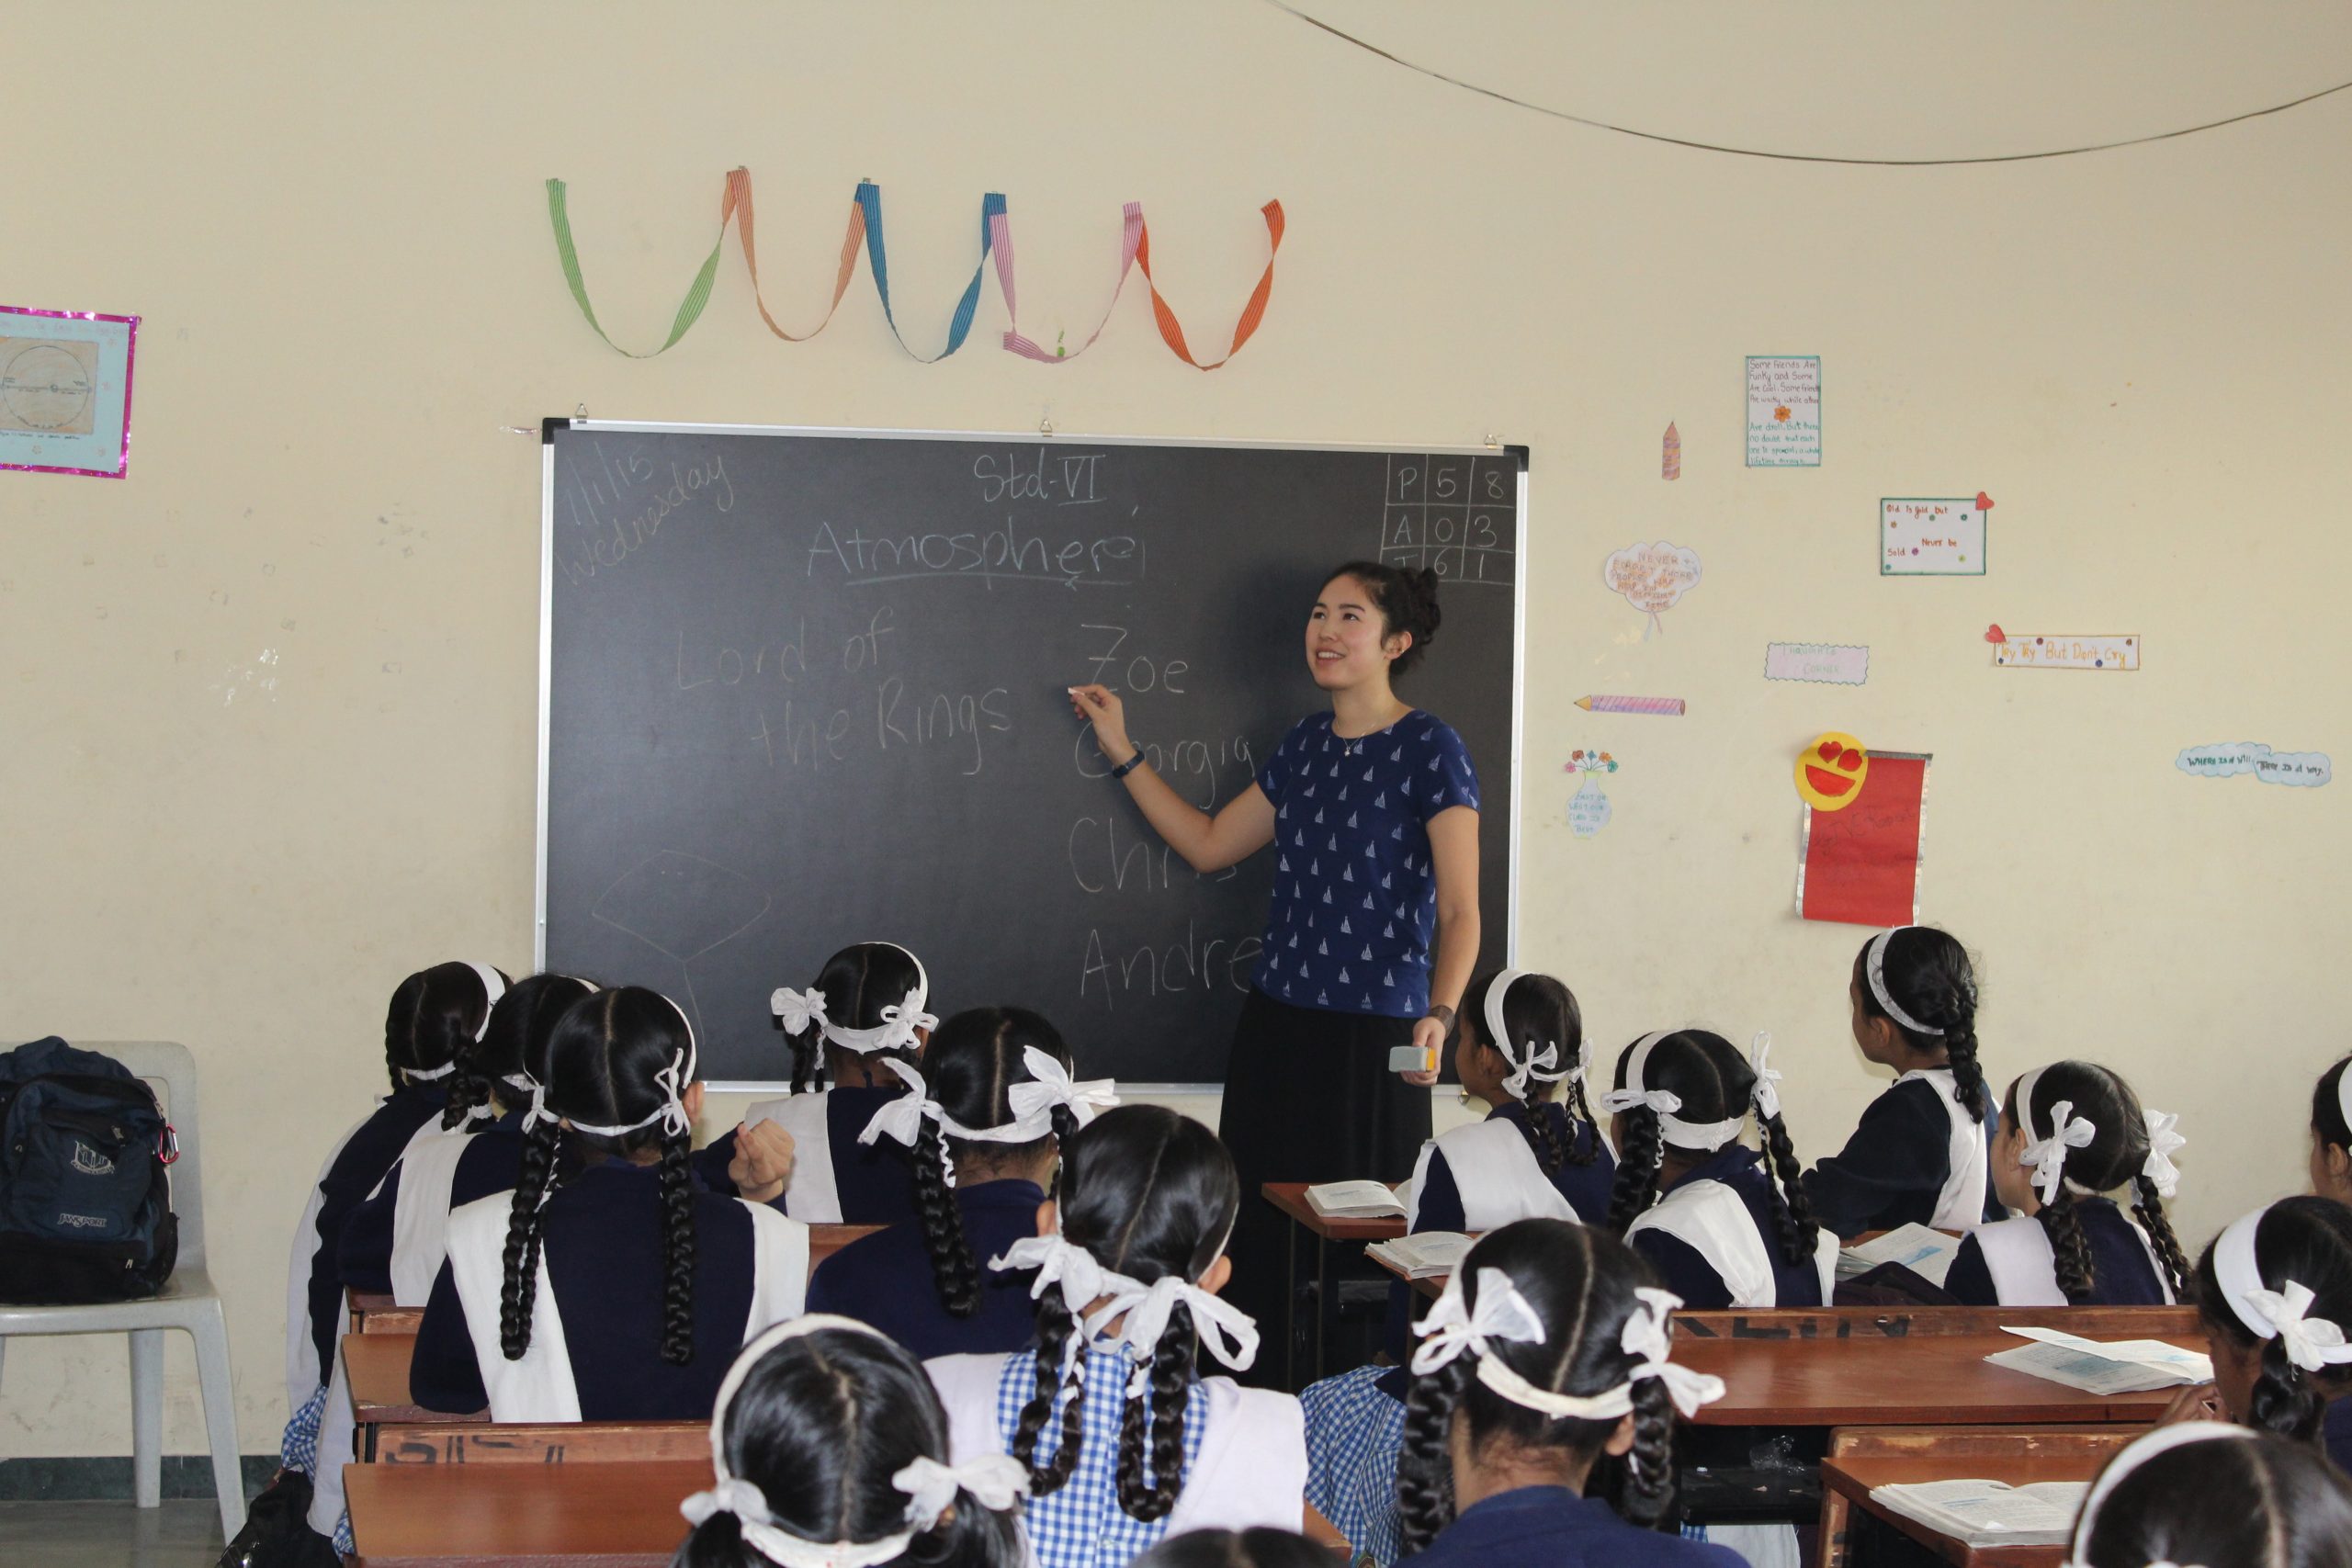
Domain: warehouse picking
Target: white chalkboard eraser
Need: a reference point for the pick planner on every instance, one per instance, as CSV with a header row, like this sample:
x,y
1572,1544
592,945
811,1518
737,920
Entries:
x,y
1413,1059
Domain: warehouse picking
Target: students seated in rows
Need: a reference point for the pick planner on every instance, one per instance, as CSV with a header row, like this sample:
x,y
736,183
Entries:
x,y
1918,1155
1723,1226
607,1287
395,1241
1124,1441
831,1451
1520,1038
987,1115
2274,1291
2071,1133
434,1013
865,1008
1539,1425
2208,1493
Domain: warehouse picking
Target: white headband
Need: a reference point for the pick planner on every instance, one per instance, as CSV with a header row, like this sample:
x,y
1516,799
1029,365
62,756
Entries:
x,y
2139,1452
1229,1333
1707,1136
2047,1157
1453,1327
1874,970
538,1111
673,1079
997,1480
2311,1343
1032,1104
495,985
1537,1062
2344,1092
894,1032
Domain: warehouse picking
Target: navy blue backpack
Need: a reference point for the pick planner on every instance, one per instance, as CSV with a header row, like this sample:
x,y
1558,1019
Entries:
x,y
86,1206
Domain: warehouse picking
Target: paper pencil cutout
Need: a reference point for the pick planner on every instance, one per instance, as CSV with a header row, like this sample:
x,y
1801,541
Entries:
x,y
1671,706
1671,467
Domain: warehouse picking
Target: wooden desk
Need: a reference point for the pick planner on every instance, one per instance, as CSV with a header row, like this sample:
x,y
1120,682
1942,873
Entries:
x,y
1956,1453
622,1515
375,1366
1941,1380
376,1312
1851,1479
1290,1197
535,1442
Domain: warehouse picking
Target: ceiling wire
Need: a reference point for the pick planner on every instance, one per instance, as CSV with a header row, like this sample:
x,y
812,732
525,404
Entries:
x,y
1794,157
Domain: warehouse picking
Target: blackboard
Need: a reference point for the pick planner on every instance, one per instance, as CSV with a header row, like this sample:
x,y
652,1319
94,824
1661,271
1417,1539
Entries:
x,y
805,688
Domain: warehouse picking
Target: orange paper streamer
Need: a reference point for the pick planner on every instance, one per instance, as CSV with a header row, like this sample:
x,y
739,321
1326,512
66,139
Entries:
x,y
739,199
1251,314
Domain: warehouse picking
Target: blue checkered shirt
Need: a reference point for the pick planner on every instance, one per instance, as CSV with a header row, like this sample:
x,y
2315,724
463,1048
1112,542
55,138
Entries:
x,y
1080,1524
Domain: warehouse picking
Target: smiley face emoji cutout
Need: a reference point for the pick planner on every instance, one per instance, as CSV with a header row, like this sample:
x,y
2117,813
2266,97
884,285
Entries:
x,y
1831,772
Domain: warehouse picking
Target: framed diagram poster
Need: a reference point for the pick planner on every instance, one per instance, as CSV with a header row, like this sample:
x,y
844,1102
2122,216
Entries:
x,y
65,391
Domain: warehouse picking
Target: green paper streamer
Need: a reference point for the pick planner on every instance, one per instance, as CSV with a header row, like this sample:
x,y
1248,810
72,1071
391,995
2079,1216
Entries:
x,y
689,309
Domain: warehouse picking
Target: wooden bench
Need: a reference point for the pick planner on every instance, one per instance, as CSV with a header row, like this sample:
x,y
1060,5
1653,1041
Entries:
x,y
1860,1461
1880,1381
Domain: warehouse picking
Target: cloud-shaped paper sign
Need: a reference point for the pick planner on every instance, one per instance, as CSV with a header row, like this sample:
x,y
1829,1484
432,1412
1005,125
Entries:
x,y
1652,576
2302,770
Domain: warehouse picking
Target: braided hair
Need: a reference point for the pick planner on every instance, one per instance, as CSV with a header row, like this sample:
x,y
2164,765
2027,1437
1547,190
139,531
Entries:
x,y
520,1022
2113,1158
1715,1083
602,1056
1581,1282
858,982
2250,1502
1929,975
2307,1240
1538,1011
820,1424
970,1068
1148,1193
434,1017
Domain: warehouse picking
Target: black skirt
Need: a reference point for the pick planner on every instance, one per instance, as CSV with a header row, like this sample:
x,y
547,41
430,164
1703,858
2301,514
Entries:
x,y
1308,1097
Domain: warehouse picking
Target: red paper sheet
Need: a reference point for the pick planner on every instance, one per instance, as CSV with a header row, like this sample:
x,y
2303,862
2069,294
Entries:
x,y
1861,864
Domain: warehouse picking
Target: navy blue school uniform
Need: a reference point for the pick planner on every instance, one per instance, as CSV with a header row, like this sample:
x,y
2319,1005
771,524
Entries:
x,y
1553,1526
1699,1279
492,1163
1586,1186
603,1251
875,1182
367,1153
885,1278
2335,1433
2123,1273
1896,1168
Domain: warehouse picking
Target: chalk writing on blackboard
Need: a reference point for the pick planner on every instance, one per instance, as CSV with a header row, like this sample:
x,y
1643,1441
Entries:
x,y
1454,514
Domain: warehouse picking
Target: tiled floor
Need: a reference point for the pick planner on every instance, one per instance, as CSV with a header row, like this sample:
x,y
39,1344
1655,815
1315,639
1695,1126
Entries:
x,y
109,1535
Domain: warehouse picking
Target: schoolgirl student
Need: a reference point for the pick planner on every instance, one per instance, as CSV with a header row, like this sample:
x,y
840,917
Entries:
x,y
2332,1134
1547,1350
986,1116
1521,1037
867,1007
607,1287
1723,1226
2274,1292
2072,1133
395,1241
431,1014
830,1452
1920,1152
1124,1441
2206,1493
1264,1546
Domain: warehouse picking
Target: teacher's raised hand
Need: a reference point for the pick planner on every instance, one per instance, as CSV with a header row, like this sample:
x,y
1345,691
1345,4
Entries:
x,y
1242,827
1101,707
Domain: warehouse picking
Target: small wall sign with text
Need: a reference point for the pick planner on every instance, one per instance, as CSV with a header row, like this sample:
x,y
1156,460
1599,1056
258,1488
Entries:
x,y
2067,653
1932,536
2301,770
1834,663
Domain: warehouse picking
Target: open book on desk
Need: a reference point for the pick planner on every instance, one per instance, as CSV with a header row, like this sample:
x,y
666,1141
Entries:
x,y
1424,1255
2122,1366
1354,1200
1990,1512
1927,1253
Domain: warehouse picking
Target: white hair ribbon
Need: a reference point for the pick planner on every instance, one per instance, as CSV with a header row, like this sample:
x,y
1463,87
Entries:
x,y
1229,1333
1664,1103
493,985
2344,1095
1874,971
1766,1095
521,1082
797,1008
2311,1343
426,1075
901,1119
672,1079
930,1487
1033,1104
1534,1065
2047,1157
900,1020
2163,1144
1452,1327
1644,1336
2139,1452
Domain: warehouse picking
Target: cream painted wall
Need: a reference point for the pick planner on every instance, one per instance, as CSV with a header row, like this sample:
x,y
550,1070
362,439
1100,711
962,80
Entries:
x,y
331,219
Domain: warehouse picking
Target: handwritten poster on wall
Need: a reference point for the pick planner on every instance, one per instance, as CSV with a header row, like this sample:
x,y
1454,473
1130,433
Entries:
x,y
1930,537
1785,411
2057,651
1832,663
1861,865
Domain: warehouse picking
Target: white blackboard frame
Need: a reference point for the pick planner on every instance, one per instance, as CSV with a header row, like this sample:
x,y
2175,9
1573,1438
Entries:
x,y
547,631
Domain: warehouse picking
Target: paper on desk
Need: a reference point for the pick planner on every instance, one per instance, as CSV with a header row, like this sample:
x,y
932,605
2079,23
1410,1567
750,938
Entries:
x,y
1927,1253
2122,1366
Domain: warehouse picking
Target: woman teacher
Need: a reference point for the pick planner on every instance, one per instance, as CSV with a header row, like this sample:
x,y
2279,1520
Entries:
x,y
1371,935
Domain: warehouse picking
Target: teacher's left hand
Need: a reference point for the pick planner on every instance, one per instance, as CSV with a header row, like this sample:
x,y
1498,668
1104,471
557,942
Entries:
x,y
1428,1035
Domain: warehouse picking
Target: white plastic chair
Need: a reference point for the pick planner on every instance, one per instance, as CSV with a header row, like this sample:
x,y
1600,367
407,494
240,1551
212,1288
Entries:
x,y
189,1301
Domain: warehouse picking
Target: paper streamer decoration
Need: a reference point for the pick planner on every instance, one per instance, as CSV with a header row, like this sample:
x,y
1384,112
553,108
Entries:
x,y
1669,706
2067,652
1862,865
865,226
1670,465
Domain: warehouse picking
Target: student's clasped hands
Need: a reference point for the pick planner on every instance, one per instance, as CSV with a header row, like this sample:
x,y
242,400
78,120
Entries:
x,y
762,1161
